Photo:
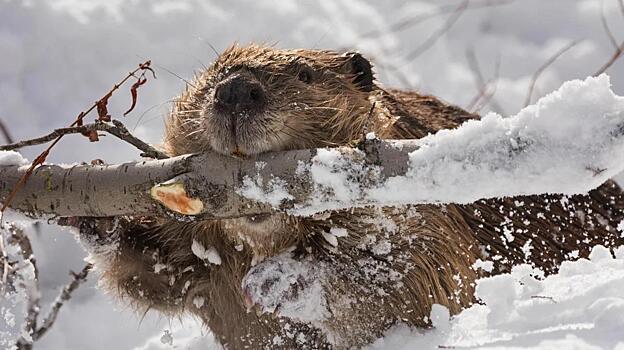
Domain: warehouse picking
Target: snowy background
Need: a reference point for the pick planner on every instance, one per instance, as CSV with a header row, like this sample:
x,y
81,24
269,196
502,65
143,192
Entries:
x,y
57,57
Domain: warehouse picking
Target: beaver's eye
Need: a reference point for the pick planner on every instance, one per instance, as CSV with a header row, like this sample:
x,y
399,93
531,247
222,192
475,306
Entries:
x,y
305,76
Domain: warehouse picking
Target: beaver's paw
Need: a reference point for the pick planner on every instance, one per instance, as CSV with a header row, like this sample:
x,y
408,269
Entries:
x,y
288,287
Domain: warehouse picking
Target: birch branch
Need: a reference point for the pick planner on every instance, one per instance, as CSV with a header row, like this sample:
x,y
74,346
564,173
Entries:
x,y
577,131
207,185
117,129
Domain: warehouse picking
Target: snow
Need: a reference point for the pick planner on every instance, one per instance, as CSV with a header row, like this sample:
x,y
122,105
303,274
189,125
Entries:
x,y
486,266
198,302
275,195
270,287
330,238
23,286
60,55
11,158
577,130
166,338
581,307
209,254
440,317
339,231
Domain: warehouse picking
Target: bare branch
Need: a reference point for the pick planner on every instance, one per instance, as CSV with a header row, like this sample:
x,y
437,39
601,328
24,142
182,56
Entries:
x,y
543,67
102,110
211,185
5,132
33,296
616,55
619,48
65,295
15,236
442,10
605,26
433,38
117,129
486,89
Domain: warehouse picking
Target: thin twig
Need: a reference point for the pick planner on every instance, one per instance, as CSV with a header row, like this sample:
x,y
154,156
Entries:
x,y
396,72
486,89
367,123
101,109
5,132
32,296
616,55
442,10
619,49
117,129
148,110
605,26
187,82
64,295
488,94
30,323
433,38
543,297
543,67
16,236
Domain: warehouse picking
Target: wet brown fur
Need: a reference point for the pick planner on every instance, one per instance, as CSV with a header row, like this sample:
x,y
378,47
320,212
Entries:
x,y
368,289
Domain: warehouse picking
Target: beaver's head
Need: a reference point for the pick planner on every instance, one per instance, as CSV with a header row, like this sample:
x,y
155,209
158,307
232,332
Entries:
x,y
256,99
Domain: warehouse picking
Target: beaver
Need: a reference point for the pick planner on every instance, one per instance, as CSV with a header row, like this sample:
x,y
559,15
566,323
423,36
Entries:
x,y
336,280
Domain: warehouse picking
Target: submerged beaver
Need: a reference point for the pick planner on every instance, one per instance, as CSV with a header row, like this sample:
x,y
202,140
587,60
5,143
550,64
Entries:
x,y
341,279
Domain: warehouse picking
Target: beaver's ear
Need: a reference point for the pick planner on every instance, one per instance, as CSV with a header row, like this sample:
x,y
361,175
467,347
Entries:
x,y
362,69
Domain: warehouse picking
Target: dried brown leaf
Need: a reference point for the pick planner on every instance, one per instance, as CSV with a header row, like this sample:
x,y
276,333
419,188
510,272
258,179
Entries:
x,y
133,91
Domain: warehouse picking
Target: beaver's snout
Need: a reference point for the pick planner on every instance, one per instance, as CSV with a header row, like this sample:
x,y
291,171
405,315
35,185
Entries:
x,y
240,94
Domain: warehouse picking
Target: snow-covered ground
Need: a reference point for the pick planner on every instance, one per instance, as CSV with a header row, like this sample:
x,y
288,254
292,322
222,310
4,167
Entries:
x,y
57,56
582,308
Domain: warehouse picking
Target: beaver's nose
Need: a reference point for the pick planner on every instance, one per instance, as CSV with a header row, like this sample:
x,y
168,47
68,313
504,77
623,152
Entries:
x,y
240,94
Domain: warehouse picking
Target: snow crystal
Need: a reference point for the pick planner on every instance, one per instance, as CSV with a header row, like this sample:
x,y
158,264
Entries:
x,y
339,231
159,267
486,266
324,175
276,193
213,256
526,249
166,338
206,253
371,136
384,247
330,238
198,302
277,340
